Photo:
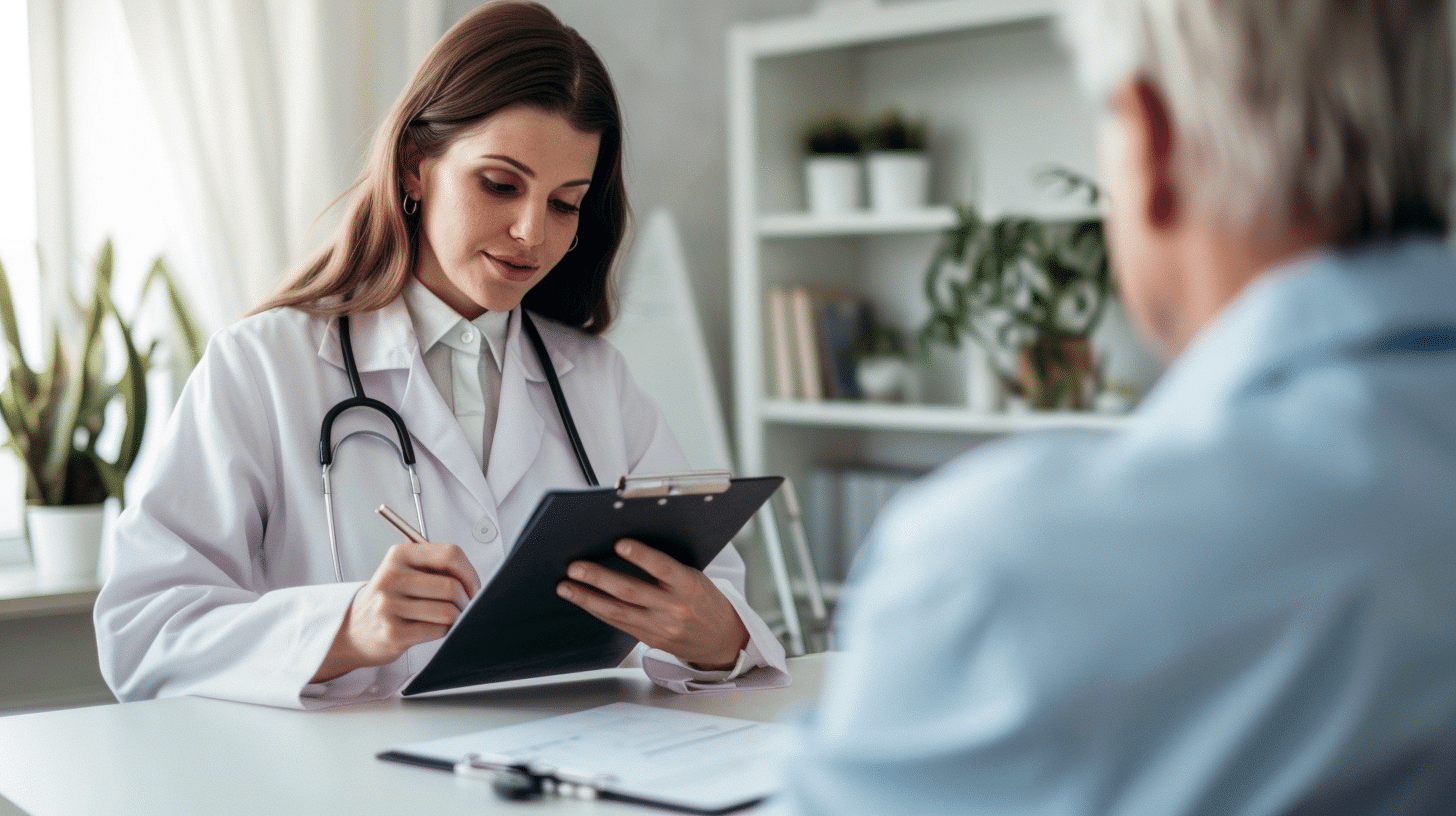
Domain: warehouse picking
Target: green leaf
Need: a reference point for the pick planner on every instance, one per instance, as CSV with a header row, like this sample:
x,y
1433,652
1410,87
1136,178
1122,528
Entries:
x,y
181,313
113,476
21,375
133,388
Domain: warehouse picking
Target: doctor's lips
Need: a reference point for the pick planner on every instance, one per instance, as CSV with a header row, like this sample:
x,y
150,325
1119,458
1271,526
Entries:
x,y
514,268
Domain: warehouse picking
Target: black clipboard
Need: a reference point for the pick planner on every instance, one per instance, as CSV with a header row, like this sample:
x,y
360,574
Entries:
x,y
517,627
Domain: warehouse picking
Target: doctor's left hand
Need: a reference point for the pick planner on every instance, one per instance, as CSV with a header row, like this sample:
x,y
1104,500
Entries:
x,y
684,614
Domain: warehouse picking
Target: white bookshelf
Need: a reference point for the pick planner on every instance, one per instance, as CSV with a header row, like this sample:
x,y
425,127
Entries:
x,y
1002,105
864,222
870,416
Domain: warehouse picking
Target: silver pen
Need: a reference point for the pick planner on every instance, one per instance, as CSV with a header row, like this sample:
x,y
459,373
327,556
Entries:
x,y
400,524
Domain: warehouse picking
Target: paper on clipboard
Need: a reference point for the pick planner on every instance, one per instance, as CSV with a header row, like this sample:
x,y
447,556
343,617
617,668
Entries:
x,y
698,762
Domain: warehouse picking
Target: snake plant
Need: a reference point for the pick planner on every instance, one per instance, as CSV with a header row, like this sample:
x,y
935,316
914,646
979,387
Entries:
x,y
55,413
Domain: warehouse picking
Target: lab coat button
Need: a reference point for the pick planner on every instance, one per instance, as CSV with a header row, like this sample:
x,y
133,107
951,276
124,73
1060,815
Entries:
x,y
467,337
484,531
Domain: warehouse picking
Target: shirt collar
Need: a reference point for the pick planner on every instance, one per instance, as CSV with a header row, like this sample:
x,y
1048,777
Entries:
x,y
436,322
1326,304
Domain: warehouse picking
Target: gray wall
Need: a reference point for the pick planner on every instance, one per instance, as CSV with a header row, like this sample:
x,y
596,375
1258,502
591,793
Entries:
x,y
668,60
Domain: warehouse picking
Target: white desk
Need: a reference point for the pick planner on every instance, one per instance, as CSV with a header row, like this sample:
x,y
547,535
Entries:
x,y
193,755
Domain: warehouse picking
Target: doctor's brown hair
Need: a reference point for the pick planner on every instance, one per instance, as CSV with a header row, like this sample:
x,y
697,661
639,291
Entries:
x,y
501,54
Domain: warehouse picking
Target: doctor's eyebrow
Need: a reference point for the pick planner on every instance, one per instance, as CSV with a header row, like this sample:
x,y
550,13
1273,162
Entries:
x,y
528,171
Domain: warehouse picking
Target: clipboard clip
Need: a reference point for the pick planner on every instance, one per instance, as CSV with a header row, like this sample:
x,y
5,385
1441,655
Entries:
x,y
674,484
518,781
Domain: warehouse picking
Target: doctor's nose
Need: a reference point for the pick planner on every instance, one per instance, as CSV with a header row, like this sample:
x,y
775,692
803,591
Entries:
x,y
529,227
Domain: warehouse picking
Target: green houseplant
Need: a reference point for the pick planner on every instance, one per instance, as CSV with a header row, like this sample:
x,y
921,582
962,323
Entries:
x,y
896,165
894,131
831,143
1027,291
55,413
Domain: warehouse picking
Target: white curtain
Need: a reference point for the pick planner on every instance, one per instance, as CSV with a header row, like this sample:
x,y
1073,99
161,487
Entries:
x,y
267,108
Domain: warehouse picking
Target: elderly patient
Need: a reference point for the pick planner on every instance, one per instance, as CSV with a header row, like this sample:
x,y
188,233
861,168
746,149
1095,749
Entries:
x,y
1243,602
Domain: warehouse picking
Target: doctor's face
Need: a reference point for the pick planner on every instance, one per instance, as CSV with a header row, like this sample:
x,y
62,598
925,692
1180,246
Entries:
x,y
499,208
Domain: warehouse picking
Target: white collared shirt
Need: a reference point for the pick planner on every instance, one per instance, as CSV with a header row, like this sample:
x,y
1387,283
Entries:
x,y
468,379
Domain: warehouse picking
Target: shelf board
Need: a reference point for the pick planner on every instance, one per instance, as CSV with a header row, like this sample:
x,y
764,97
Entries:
x,y
853,26
934,418
859,222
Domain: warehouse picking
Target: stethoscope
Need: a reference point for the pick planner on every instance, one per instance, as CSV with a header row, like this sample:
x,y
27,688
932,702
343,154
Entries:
x,y
405,450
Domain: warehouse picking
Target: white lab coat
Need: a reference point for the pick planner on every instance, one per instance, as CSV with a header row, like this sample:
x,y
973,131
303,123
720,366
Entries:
x,y
223,583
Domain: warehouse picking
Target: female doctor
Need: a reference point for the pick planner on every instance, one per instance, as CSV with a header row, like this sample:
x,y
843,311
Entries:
x,y
490,211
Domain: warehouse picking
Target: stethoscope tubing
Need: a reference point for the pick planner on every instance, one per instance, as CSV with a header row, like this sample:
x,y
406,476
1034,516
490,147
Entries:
x,y
548,369
406,449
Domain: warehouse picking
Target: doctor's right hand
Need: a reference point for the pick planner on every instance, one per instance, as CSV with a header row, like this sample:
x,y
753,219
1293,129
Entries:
x,y
414,596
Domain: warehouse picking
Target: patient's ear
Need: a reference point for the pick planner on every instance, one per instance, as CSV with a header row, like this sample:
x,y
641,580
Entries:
x,y
1150,124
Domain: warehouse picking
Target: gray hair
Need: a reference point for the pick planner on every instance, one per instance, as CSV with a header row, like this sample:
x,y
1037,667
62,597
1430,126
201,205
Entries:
x,y
1334,114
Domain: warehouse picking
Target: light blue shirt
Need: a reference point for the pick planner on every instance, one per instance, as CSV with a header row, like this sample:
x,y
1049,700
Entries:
x,y
1243,601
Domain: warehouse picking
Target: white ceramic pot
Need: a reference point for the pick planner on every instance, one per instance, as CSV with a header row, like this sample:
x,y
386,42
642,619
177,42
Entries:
x,y
65,543
983,386
882,378
833,184
899,180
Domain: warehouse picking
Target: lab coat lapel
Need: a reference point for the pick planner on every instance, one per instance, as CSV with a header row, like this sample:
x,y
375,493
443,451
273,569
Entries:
x,y
384,340
519,427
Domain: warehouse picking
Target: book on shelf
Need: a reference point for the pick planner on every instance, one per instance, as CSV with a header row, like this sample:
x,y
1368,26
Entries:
x,y
780,345
843,321
814,339
806,344
841,505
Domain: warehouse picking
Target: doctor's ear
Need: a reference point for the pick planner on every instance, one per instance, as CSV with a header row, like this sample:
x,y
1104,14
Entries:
x,y
410,164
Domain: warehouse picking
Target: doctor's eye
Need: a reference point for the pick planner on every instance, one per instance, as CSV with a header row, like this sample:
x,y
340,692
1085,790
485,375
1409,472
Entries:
x,y
498,187
564,207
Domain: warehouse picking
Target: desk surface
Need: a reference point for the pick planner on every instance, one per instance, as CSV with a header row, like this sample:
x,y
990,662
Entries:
x,y
192,755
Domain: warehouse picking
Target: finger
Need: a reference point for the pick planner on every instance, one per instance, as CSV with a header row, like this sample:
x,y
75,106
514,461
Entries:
x,y
443,558
654,562
622,587
418,610
397,580
429,586
657,627
630,619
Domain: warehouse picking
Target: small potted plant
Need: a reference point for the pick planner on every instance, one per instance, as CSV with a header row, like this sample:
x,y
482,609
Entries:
x,y
1028,294
881,369
832,166
56,415
898,169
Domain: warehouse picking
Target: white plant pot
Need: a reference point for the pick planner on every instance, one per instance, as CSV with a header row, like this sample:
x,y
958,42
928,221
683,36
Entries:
x,y
65,543
899,180
833,184
882,378
983,386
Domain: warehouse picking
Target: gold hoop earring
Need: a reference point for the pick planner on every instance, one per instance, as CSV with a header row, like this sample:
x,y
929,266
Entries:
x,y
575,239
406,206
